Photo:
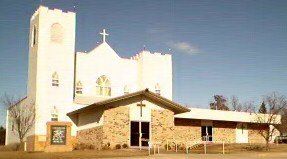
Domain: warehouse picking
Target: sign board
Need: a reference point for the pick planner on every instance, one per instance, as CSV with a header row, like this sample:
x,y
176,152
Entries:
x,y
58,135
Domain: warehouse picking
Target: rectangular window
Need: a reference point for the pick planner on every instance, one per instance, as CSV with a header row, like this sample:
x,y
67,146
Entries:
x,y
79,90
55,82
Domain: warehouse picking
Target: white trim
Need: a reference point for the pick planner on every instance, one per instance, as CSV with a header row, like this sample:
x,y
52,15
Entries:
x,y
208,114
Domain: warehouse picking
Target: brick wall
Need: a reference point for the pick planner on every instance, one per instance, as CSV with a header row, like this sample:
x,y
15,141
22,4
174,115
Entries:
x,y
162,125
36,142
93,136
224,131
187,130
253,133
116,126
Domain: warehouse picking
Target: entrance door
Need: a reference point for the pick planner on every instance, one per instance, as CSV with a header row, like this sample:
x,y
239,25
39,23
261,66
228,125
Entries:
x,y
139,130
145,133
135,133
241,133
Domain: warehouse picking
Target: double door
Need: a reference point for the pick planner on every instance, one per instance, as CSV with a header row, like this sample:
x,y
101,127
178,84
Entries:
x,y
140,133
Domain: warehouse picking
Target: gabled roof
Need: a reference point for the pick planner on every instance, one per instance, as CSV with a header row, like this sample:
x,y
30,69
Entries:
x,y
176,108
104,48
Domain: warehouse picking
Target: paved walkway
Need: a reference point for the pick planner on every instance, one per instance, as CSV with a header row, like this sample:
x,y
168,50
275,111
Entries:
x,y
216,156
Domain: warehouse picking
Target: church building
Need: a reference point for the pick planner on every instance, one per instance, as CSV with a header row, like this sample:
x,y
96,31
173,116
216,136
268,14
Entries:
x,y
99,98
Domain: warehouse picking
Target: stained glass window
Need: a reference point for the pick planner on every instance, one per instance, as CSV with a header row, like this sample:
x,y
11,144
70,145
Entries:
x,y
103,87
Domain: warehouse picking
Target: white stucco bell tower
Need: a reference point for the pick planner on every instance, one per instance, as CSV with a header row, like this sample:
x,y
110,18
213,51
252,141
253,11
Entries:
x,y
51,64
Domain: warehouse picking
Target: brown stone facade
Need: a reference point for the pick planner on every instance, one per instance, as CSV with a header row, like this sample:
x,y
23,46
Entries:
x,y
115,130
116,127
224,132
254,135
93,136
190,130
162,125
36,143
164,128
187,130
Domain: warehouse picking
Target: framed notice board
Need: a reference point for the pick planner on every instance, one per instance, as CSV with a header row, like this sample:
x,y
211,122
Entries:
x,y
58,135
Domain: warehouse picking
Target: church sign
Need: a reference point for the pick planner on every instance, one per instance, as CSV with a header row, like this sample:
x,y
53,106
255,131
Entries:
x,y
58,135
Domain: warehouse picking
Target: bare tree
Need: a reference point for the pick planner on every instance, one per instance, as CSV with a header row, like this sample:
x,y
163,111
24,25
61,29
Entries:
x,y
235,104
23,116
220,103
248,107
275,104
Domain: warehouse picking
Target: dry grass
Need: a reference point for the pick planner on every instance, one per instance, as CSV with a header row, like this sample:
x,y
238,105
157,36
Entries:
x,y
89,154
73,155
235,148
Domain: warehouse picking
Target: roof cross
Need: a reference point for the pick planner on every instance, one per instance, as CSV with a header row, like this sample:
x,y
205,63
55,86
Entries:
x,y
104,34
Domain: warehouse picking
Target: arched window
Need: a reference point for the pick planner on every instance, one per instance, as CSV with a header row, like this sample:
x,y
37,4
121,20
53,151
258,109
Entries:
x,y
157,89
54,114
79,87
34,36
55,79
57,33
126,89
103,86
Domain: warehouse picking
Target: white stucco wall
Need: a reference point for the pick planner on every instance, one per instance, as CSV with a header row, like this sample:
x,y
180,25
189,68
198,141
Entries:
x,y
47,57
144,70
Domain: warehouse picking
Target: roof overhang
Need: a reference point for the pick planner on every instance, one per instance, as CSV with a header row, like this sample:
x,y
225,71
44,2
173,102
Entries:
x,y
219,115
144,94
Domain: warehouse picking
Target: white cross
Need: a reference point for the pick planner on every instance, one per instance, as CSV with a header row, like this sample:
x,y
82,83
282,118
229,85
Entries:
x,y
104,35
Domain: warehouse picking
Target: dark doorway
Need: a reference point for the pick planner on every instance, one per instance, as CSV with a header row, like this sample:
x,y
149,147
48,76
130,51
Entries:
x,y
135,134
145,133
137,129
206,133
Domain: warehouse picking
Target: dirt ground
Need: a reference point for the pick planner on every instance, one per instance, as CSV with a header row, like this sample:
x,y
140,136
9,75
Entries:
x,y
233,151
215,156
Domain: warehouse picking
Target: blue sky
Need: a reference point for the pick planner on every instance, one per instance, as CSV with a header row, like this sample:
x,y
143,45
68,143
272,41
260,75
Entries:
x,y
218,47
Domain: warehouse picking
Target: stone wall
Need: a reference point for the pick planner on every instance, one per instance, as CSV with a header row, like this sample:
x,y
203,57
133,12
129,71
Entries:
x,y
162,125
224,131
116,126
187,130
67,146
36,143
93,136
254,135
190,130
